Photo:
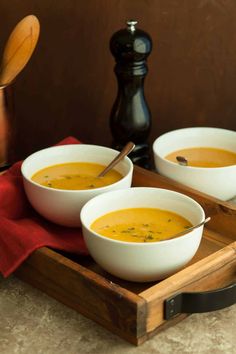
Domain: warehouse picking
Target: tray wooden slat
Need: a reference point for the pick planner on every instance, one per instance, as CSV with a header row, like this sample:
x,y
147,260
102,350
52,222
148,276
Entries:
x,y
87,292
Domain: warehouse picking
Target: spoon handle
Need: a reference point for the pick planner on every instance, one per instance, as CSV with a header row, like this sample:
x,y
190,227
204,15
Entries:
x,y
192,228
125,151
182,160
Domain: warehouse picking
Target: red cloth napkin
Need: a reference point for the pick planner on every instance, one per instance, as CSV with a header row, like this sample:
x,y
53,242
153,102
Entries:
x,y
23,230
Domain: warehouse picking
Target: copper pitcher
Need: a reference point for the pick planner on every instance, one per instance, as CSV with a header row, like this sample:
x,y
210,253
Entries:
x,y
6,126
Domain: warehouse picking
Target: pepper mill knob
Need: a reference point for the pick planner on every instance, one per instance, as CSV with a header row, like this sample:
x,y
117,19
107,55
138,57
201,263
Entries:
x,y
130,118
131,25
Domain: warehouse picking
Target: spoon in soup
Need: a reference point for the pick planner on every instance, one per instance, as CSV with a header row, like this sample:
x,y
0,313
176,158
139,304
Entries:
x,y
191,228
182,160
124,152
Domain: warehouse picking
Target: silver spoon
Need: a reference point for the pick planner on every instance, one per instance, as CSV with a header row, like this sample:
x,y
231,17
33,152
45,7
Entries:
x,y
191,228
182,160
124,152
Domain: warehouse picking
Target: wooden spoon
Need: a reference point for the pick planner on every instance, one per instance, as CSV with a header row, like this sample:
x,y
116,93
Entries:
x,y
125,151
19,48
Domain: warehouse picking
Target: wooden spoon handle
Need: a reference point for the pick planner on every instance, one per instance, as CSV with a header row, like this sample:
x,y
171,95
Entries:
x,y
19,48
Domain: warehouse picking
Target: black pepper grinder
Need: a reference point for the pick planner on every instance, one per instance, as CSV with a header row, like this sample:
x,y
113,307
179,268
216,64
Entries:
x,y
130,118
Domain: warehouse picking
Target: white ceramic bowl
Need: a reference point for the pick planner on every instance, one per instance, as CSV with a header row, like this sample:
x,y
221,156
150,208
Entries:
x,y
142,262
63,206
219,182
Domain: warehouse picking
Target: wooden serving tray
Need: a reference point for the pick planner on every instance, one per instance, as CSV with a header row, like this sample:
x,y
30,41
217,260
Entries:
x,y
137,311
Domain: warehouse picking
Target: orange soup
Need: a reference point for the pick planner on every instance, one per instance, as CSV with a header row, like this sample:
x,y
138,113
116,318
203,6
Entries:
x,y
75,176
205,157
140,225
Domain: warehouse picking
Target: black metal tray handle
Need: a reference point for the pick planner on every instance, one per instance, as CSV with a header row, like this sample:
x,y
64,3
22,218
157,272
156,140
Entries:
x,y
198,302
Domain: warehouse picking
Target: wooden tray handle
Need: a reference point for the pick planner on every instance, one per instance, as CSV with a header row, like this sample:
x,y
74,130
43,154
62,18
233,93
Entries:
x,y
197,302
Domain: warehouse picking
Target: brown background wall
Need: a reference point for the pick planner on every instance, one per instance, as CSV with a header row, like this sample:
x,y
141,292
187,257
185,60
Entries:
x,y
69,86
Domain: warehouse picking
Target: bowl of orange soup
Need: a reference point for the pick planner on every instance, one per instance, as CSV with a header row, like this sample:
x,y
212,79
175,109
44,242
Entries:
x,y
59,180
211,159
131,233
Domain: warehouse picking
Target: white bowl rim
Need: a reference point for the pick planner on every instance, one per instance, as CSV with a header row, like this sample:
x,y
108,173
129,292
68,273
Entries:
x,y
142,244
126,158
208,169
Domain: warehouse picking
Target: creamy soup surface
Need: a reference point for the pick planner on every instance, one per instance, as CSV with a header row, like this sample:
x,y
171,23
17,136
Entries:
x,y
205,157
75,176
140,225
